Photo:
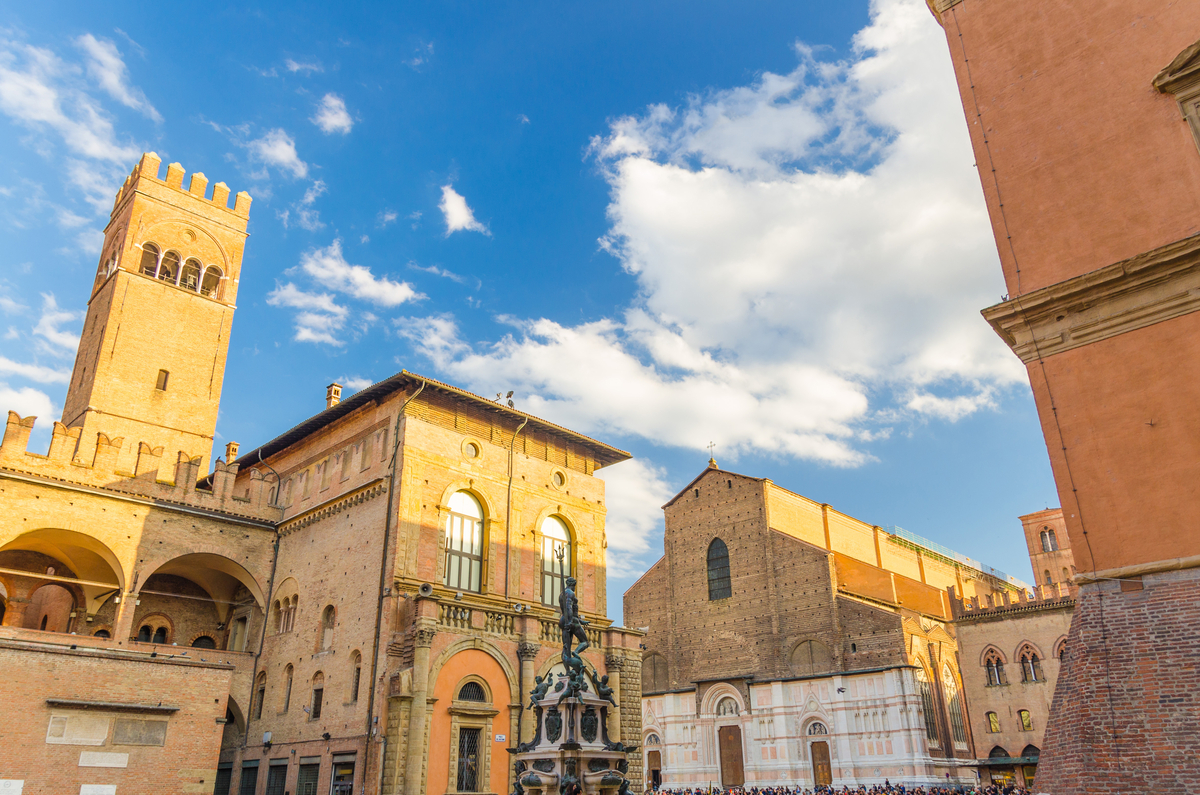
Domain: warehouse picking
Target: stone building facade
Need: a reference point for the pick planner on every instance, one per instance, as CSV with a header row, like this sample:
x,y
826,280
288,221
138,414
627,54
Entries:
x,y
1086,131
359,605
1012,653
789,644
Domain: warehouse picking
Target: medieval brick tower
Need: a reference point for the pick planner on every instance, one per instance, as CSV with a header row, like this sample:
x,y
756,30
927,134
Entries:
x,y
152,356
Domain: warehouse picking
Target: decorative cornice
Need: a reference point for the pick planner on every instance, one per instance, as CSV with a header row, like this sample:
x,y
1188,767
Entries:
x,y
337,505
1135,293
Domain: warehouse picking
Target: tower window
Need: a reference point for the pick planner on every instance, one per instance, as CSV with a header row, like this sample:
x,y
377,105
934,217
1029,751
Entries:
x,y
161,384
149,265
210,285
1049,541
719,586
190,276
168,269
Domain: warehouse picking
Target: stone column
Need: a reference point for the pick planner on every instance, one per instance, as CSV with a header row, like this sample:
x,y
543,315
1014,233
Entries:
x,y
14,611
414,766
527,652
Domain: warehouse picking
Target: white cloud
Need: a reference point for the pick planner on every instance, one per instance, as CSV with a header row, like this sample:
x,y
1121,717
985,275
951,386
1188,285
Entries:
x,y
61,342
107,68
332,115
306,68
459,217
421,55
354,383
634,493
445,274
811,252
320,318
329,268
28,402
307,217
385,218
276,148
39,90
35,372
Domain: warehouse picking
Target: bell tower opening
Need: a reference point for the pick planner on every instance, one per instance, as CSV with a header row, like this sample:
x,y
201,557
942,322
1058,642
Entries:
x,y
151,360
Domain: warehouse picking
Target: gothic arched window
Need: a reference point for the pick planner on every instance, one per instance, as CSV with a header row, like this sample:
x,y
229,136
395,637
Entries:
x,y
718,571
995,670
958,724
927,708
1031,666
1049,541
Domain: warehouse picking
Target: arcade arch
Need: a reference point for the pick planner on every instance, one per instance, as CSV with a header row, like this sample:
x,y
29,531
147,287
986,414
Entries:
x,y
81,565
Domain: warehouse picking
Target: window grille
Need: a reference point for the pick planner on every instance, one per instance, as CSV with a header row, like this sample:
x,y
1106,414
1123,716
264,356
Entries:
x,y
472,691
468,760
224,779
464,543
317,697
931,732
306,782
276,778
249,781
718,571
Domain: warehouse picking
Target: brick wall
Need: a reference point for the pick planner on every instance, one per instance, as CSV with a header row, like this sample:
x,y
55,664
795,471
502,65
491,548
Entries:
x,y
185,762
1137,734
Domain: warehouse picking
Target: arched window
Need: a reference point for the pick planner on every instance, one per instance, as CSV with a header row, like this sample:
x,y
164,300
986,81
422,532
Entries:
x,y
287,687
189,277
1047,578
145,634
289,616
210,286
318,696
1031,752
327,619
472,691
102,633
1049,542
993,723
1066,577
204,642
811,657
727,706
958,723
1026,720
168,269
277,609
464,543
995,670
355,676
260,694
927,708
718,571
149,264
1031,666
654,674
556,558
998,753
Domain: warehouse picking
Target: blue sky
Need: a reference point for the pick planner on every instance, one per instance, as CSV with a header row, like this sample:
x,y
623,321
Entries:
x,y
663,224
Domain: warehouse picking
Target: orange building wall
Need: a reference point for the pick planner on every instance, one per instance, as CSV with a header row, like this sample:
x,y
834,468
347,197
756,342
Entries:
x,y
461,665
1093,164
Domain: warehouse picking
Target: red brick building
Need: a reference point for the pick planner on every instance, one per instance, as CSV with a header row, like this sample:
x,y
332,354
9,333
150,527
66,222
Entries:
x,y
1085,125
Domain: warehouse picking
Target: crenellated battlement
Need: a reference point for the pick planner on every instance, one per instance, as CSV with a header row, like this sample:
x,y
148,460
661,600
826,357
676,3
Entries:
x,y
147,169
173,477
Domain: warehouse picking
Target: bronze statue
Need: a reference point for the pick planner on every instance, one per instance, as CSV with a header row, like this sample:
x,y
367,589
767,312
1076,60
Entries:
x,y
571,623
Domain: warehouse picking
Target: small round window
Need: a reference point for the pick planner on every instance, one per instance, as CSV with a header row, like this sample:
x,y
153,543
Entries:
x,y
558,479
470,450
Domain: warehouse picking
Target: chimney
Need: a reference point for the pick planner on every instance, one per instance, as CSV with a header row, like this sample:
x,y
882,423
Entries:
x,y
333,395
231,452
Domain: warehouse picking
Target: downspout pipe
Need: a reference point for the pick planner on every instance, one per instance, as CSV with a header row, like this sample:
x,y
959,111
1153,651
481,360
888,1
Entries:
x,y
512,446
383,568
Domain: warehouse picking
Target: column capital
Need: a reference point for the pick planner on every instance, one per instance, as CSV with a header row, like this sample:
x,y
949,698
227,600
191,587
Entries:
x,y
423,636
527,651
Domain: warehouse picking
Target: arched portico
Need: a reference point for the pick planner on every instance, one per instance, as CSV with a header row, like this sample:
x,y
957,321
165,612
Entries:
x,y
77,562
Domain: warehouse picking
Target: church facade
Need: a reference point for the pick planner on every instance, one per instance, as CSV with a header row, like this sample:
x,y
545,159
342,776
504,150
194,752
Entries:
x,y
788,644
358,605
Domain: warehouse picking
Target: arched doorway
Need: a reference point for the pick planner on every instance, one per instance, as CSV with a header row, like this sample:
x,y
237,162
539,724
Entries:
x,y
50,608
818,749
729,743
200,595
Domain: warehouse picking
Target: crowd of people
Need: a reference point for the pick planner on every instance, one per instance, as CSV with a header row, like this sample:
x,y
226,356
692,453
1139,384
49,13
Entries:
x,y
884,789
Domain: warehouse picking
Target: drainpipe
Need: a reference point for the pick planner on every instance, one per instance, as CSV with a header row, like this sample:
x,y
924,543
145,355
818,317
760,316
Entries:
x,y
387,537
508,505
